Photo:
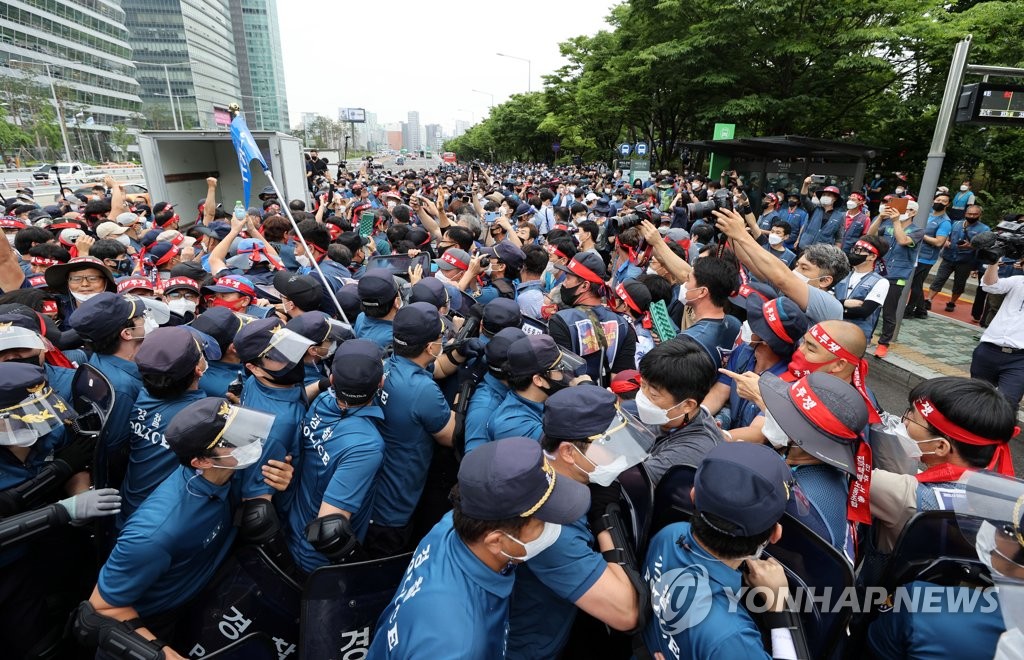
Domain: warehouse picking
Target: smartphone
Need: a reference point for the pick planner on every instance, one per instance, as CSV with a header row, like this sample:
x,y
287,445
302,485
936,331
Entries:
x,y
366,219
399,264
491,216
818,178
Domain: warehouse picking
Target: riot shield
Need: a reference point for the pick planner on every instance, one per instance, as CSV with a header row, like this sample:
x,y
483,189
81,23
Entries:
x,y
247,594
672,501
92,398
637,505
934,546
254,646
341,605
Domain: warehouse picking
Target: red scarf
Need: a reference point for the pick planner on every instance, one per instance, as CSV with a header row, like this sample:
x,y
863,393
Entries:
x,y
942,473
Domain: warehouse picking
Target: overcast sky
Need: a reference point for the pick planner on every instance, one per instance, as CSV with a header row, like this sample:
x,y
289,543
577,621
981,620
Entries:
x,y
393,56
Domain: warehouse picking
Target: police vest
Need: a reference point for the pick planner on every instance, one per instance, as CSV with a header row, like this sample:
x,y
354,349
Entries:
x,y
860,292
598,343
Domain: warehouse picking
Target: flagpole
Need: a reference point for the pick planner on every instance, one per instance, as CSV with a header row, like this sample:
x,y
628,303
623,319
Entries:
x,y
234,109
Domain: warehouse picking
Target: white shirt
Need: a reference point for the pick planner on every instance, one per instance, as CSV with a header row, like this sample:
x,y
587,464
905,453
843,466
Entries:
x,y
877,292
1007,329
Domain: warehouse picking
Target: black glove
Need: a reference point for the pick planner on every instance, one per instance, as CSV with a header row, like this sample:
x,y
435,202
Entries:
x,y
78,453
471,349
601,497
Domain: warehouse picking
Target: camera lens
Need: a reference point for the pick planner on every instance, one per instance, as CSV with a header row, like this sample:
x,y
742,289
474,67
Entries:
x,y
485,262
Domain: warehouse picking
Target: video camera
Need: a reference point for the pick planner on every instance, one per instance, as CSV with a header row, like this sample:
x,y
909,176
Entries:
x,y
722,199
1006,240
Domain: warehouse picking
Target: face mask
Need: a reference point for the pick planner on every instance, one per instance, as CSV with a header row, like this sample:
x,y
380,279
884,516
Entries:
x,y
971,220
938,206
547,537
850,204
907,444
793,203
856,259
882,208
801,366
82,297
31,359
392,205
149,324
963,188
448,182
774,239
773,432
181,306
746,333
303,260
815,201
806,279
684,294
757,553
233,305
900,191
568,294
10,238
556,385
123,240
985,543
651,413
604,475
245,456
827,201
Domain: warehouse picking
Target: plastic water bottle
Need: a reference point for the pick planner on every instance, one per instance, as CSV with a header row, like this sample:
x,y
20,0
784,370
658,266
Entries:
x,y
239,210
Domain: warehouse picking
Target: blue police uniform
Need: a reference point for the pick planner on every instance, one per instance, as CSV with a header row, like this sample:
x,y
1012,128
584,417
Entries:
x,y
485,400
124,377
449,604
490,292
59,378
288,405
171,547
378,331
414,410
516,417
674,562
945,630
150,458
547,588
530,296
341,452
821,229
218,376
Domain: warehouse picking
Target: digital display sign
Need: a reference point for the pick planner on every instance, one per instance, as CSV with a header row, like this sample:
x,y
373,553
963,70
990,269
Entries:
x,y
991,103
1005,103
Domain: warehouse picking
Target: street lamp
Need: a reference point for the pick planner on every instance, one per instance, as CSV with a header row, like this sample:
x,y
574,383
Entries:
x,y
485,94
529,65
167,77
259,108
60,116
177,99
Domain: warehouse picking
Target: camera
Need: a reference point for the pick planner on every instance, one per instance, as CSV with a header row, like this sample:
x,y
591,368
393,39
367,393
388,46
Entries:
x,y
1006,240
640,213
485,262
722,199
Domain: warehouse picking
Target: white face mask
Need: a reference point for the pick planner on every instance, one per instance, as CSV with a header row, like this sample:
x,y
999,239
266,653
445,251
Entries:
x,y
850,204
773,432
10,238
746,333
774,239
448,182
815,201
303,260
392,205
757,553
882,208
985,543
547,537
244,456
806,279
904,216
604,475
900,191
651,413
828,201
651,271
963,188
123,240
82,297
181,306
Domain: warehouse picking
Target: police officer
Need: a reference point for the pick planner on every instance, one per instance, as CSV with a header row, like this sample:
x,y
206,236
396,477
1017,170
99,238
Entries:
x,y
416,415
299,293
508,507
178,538
536,369
326,334
171,363
588,328
221,324
341,452
380,301
21,341
506,260
588,439
492,388
112,328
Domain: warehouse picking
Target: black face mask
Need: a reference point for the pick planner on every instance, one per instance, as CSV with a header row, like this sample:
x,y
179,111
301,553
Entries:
x,y
856,259
971,220
569,294
288,376
556,385
32,359
938,206
792,203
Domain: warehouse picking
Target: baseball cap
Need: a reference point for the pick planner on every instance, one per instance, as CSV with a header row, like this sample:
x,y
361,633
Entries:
x,y
175,237
586,265
507,252
625,381
160,207
217,229
744,485
430,290
318,327
635,294
591,197
305,291
496,351
501,313
213,422
109,230
416,323
175,283
161,253
820,413
523,209
129,284
268,338
173,351
20,331
104,314
511,478
357,370
220,323
538,354
779,322
453,259
127,219
29,408
10,222
377,288
232,284
578,412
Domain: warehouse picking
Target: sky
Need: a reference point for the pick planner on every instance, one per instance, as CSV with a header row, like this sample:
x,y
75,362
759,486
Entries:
x,y
393,56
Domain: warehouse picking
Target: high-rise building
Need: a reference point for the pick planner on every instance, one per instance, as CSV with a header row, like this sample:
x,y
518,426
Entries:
x,y
257,36
185,48
415,142
85,48
461,126
434,137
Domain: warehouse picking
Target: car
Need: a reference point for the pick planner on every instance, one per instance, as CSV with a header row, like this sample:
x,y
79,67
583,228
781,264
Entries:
x,y
133,192
42,173
400,160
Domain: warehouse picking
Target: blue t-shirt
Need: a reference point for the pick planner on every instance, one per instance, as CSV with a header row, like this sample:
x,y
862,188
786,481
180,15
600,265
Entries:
x,y
341,452
516,417
787,256
796,219
171,547
150,458
715,334
485,400
938,226
288,405
124,377
546,591
450,604
378,331
688,582
218,376
414,410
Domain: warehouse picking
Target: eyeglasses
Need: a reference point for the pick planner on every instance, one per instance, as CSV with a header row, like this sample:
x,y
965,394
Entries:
x,y
907,418
187,295
91,279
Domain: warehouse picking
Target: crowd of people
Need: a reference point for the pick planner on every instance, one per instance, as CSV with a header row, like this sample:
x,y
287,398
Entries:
x,y
463,364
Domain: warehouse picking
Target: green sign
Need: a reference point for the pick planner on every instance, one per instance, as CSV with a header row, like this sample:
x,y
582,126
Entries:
x,y
718,161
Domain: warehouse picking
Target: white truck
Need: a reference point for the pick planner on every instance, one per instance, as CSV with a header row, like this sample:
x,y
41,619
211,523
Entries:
x,y
177,164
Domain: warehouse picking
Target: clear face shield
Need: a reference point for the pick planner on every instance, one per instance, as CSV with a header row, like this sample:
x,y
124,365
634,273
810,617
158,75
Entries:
x,y
12,336
286,349
991,515
625,443
43,411
243,434
570,364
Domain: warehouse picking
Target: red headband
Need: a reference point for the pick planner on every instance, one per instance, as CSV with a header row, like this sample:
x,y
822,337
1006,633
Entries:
x,y
860,372
1001,460
450,258
50,307
625,385
621,292
43,261
864,245
771,317
173,252
579,270
811,407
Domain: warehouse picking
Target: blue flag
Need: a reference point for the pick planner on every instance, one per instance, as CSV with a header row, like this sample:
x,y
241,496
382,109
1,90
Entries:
x,y
245,147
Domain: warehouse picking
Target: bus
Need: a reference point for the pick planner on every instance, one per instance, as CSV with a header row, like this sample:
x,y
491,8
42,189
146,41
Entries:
x,y
449,157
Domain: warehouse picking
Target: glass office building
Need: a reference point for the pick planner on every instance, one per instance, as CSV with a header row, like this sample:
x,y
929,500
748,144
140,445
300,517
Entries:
x,y
260,65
